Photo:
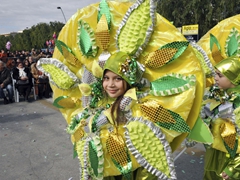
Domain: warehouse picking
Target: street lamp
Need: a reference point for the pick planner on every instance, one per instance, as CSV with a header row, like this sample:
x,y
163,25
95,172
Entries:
x,y
62,13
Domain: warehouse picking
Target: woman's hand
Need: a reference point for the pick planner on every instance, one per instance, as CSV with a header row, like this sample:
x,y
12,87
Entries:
x,y
24,78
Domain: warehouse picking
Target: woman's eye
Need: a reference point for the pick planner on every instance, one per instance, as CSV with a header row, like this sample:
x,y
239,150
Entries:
x,y
118,79
105,78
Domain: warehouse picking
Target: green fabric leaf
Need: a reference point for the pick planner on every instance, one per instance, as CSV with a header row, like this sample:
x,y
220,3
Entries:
x,y
75,154
86,39
60,45
55,102
171,84
93,157
201,132
232,46
104,9
213,40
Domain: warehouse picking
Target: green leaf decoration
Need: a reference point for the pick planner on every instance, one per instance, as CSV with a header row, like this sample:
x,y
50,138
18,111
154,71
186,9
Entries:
x,y
134,32
179,126
213,40
201,133
181,46
232,43
86,39
75,154
60,44
96,158
171,84
58,99
93,157
104,9
68,54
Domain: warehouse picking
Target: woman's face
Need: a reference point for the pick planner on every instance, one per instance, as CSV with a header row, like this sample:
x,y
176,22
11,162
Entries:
x,y
223,82
113,84
20,65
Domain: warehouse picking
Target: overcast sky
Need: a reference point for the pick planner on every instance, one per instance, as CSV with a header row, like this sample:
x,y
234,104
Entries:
x,y
17,15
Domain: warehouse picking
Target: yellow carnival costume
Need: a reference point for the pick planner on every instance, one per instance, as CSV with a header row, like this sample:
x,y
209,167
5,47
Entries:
x,y
221,108
162,106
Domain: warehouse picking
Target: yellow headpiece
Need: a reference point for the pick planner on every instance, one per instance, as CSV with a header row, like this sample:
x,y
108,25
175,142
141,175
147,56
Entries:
x,y
230,67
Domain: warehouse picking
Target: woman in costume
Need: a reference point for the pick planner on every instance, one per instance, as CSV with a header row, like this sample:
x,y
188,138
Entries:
x,y
132,135
221,102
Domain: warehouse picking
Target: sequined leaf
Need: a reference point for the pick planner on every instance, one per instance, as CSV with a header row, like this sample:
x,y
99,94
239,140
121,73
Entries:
x,y
179,126
164,117
180,46
171,84
104,10
118,153
134,32
156,113
228,134
86,39
102,33
160,57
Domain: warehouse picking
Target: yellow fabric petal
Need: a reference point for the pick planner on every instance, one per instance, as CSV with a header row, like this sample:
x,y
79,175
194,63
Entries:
x,y
131,93
85,89
96,69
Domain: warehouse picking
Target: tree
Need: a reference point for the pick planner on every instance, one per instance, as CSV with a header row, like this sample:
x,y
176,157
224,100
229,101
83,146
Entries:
x,y
35,37
205,13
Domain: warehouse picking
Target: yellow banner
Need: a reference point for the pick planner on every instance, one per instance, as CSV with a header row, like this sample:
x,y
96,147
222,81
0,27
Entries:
x,y
190,29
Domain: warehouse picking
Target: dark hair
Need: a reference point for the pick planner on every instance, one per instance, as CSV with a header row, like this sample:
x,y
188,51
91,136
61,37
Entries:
x,y
19,63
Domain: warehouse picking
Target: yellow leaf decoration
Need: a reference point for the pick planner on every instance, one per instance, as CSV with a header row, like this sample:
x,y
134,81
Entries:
x,y
116,149
66,102
96,70
135,32
71,59
85,89
58,73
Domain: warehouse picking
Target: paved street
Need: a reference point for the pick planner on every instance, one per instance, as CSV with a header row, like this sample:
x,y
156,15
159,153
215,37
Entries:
x,y
35,146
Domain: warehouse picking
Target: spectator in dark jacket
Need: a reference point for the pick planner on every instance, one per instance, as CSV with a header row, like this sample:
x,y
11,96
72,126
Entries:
x,y
23,78
5,83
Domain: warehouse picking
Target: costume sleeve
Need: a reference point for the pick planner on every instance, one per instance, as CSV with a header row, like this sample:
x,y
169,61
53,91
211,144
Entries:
x,y
233,168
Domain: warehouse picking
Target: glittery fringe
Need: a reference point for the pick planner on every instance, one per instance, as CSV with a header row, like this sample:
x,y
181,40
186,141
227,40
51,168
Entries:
x,y
85,160
205,56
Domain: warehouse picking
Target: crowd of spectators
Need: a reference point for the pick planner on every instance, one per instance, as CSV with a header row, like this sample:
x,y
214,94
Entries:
x,y
19,67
